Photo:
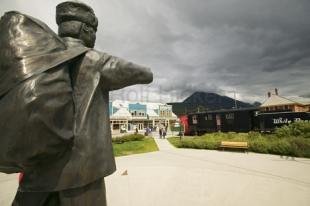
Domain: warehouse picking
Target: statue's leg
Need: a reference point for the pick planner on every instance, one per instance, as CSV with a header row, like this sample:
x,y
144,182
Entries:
x,y
93,194
36,199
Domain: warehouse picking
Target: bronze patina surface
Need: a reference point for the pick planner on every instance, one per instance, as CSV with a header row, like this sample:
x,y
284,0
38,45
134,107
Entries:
x,y
54,116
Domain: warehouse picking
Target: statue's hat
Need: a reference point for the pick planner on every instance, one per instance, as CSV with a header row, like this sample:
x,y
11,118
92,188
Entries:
x,y
76,11
29,47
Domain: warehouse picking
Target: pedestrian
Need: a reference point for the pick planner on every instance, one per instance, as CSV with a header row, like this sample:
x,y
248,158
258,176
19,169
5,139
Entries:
x,y
149,130
164,133
137,131
160,133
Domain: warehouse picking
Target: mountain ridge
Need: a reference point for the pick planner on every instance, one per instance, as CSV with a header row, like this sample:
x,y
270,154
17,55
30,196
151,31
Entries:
x,y
202,101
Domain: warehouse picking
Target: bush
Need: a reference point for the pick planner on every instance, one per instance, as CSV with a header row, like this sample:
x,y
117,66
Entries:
x,y
280,146
188,143
197,143
260,145
296,129
253,135
291,140
127,138
300,147
212,144
175,141
230,135
283,131
301,128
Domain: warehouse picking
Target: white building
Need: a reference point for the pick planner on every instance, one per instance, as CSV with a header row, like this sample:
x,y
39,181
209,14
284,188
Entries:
x,y
126,116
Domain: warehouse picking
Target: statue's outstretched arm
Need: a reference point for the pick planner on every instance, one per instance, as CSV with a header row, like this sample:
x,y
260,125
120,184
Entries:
x,y
118,73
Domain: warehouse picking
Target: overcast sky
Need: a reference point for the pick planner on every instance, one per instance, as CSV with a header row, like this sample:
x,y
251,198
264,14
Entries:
x,y
247,46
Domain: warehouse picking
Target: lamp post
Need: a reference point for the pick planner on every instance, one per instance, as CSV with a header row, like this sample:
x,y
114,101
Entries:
x,y
235,100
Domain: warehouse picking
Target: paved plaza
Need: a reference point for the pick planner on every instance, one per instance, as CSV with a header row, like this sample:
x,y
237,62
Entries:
x,y
183,177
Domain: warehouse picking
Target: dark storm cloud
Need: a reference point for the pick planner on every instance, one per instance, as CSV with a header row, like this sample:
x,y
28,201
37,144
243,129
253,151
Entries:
x,y
254,45
247,46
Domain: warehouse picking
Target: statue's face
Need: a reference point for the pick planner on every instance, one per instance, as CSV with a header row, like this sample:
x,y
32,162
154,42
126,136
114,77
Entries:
x,y
88,35
79,30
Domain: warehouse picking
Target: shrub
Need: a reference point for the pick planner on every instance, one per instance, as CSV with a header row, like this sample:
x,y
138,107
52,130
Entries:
x,y
196,143
230,135
217,134
280,146
280,143
212,144
296,129
188,143
283,132
301,128
127,138
199,144
175,141
260,145
253,135
300,147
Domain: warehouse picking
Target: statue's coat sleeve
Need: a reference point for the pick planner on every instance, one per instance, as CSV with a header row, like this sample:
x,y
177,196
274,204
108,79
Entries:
x,y
118,73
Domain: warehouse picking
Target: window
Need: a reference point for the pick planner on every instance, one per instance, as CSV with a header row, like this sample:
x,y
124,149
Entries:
x,y
208,117
194,118
230,116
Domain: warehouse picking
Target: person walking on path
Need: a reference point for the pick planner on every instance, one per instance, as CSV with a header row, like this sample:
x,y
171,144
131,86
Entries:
x,y
160,133
164,133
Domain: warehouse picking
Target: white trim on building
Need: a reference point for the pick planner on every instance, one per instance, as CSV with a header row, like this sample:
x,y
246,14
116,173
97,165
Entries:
x,y
123,120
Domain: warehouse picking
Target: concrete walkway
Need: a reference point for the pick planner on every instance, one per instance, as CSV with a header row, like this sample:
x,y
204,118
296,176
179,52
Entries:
x,y
183,177
163,144
8,186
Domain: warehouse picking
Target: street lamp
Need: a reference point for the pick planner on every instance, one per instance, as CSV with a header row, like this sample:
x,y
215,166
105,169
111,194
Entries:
x,y
235,100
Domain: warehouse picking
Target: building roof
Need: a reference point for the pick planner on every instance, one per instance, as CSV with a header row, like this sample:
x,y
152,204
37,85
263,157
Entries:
x,y
121,109
301,100
137,106
125,103
122,113
174,115
275,100
152,113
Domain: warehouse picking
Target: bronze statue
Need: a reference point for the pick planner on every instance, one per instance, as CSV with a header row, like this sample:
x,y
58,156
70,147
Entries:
x,y
54,117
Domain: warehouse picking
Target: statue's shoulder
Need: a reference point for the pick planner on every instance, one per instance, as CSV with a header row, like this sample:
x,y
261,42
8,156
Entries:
x,y
97,56
94,54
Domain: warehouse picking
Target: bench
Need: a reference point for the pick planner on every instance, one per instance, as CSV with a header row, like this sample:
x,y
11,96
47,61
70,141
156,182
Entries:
x,y
234,145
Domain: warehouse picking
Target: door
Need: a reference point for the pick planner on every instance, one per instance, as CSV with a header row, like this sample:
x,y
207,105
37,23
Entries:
x,y
218,122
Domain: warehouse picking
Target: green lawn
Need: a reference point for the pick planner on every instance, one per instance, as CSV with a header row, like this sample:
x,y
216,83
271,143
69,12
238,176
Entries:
x,y
135,147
